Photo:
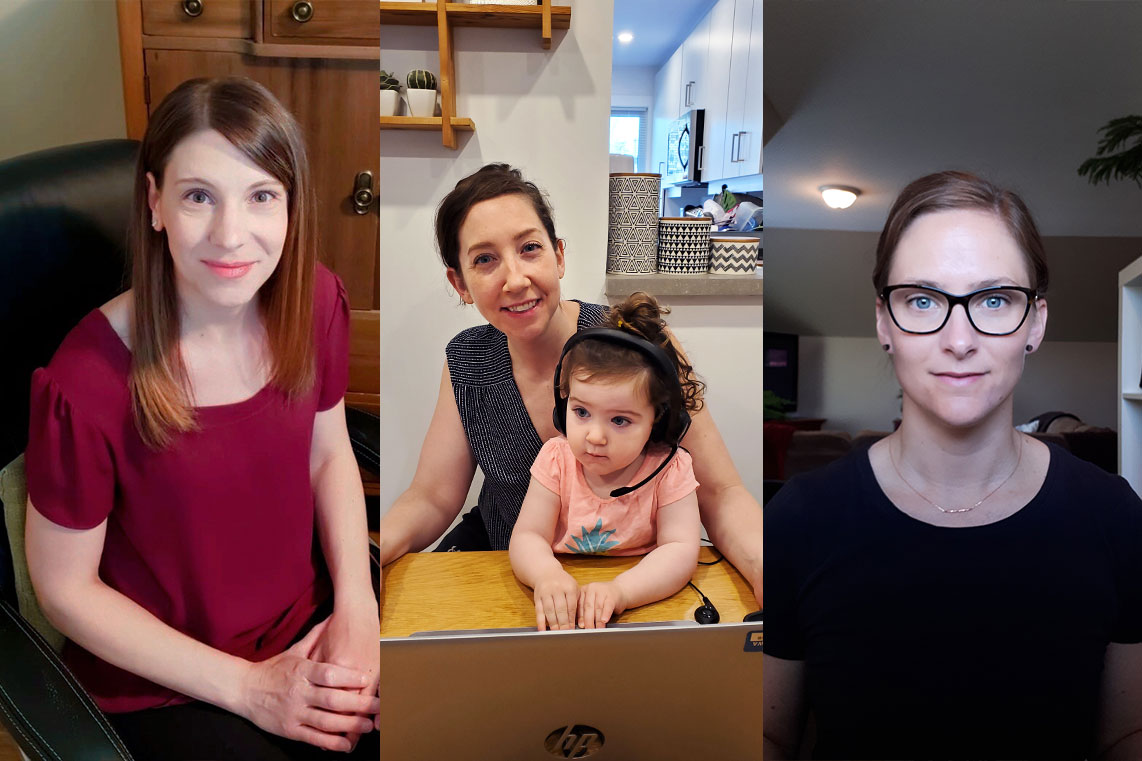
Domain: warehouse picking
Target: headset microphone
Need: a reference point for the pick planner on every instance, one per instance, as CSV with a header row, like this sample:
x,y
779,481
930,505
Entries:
x,y
628,489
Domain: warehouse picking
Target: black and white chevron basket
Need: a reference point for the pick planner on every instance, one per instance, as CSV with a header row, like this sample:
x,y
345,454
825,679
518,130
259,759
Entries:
x,y
684,245
632,227
733,255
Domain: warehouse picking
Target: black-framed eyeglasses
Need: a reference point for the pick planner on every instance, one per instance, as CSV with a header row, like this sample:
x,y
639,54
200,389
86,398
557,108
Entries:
x,y
996,311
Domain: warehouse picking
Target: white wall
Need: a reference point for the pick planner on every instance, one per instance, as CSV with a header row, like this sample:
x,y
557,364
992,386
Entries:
x,y
546,112
850,382
60,82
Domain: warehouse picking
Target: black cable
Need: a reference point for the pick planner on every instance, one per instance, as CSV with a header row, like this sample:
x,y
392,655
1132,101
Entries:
x,y
721,557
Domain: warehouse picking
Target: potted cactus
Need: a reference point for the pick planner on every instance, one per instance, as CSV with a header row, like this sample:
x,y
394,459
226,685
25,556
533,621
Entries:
x,y
390,94
421,91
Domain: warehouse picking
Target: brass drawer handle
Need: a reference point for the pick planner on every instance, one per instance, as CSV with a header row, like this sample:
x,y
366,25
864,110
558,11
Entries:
x,y
302,11
192,8
363,192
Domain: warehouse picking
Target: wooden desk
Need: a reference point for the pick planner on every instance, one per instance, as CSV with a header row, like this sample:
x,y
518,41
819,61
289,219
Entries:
x,y
426,591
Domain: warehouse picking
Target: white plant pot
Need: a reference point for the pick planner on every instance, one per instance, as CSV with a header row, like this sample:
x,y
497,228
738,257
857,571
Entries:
x,y
390,103
421,102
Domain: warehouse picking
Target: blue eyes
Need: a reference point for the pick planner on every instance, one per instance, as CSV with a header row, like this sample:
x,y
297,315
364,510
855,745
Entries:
x,y
617,421
921,302
199,197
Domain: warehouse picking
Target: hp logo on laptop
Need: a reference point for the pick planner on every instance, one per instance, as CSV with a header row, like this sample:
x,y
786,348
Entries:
x,y
578,741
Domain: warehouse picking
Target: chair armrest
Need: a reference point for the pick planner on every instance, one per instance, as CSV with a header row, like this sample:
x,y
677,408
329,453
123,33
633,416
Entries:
x,y
365,436
42,705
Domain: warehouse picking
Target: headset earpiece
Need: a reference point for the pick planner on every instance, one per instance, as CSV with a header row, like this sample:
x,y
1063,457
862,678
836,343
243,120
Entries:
x,y
671,425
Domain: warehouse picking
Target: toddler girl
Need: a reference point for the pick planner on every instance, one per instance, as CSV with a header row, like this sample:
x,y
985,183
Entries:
x,y
616,483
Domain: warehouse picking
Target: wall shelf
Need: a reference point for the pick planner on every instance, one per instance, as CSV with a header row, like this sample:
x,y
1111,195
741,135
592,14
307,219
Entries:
x,y
730,286
444,16
425,123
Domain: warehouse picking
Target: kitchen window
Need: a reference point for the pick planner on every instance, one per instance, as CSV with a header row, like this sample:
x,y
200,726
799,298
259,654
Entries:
x,y
629,135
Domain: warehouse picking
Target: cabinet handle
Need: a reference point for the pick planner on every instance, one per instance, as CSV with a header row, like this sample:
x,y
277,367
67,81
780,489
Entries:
x,y
363,192
690,93
734,147
701,158
741,146
302,11
192,8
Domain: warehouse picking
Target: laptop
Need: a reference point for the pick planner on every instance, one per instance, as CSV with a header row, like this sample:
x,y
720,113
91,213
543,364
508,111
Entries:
x,y
625,693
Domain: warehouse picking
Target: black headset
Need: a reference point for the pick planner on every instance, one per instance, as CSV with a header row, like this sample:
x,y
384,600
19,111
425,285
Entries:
x,y
671,420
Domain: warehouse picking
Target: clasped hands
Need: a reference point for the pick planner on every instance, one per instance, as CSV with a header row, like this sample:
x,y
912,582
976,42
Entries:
x,y
323,689
560,603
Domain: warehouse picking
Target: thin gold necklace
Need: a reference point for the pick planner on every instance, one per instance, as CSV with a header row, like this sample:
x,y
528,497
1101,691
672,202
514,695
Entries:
x,y
1018,460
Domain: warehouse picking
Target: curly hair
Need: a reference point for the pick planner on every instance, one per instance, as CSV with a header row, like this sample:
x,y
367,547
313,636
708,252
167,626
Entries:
x,y
641,315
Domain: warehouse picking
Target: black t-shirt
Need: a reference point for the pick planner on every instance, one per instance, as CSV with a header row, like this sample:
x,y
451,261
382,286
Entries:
x,y
928,642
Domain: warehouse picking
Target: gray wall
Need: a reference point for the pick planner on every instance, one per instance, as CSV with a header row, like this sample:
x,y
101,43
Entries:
x,y
819,283
60,82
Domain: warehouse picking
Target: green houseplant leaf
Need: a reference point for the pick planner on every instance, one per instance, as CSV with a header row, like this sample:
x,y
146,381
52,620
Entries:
x,y
1119,154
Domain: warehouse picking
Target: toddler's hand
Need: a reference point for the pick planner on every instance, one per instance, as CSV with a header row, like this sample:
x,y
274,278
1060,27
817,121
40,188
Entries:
x,y
555,598
598,601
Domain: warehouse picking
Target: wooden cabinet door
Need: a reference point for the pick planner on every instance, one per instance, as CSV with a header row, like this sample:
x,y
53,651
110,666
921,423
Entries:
x,y
335,102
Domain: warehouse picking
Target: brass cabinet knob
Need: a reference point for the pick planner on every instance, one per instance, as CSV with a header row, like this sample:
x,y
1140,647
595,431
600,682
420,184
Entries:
x,y
363,192
302,11
192,8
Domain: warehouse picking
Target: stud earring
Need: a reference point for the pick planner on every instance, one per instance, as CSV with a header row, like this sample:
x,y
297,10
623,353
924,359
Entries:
x,y
1028,347
155,221
885,347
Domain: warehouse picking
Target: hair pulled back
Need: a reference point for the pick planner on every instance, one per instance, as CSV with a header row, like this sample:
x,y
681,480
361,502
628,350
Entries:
x,y
490,181
641,315
944,191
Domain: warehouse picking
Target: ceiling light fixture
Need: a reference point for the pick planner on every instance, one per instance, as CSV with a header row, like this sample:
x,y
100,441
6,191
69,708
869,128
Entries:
x,y
838,196
625,37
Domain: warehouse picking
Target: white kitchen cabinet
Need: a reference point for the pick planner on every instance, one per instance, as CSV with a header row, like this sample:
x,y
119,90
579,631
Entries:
x,y
746,150
717,68
667,101
717,90
739,134
694,70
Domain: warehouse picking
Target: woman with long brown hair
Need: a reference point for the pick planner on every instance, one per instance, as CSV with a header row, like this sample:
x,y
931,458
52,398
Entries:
x,y
185,441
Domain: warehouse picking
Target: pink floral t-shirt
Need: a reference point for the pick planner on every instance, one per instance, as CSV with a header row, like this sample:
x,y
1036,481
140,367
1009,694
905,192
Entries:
x,y
626,525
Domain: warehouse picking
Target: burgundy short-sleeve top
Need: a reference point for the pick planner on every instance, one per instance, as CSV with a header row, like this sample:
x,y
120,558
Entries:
x,y
214,535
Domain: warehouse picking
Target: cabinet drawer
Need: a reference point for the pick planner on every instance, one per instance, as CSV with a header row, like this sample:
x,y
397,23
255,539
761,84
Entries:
x,y
216,18
327,19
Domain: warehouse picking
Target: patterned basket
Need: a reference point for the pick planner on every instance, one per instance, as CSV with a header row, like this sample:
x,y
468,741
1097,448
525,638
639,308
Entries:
x,y
684,245
632,230
733,255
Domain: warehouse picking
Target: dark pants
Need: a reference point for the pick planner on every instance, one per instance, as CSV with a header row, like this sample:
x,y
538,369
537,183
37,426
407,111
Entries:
x,y
470,535
202,732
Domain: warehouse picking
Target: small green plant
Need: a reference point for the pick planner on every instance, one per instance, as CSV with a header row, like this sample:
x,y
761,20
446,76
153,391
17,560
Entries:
x,y
774,407
421,79
388,81
1123,135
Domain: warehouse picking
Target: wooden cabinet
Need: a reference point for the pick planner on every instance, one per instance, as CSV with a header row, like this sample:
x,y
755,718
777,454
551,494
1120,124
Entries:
x,y
209,18
324,70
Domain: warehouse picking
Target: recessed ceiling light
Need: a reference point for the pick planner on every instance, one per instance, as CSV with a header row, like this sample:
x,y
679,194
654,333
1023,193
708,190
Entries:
x,y
838,196
625,37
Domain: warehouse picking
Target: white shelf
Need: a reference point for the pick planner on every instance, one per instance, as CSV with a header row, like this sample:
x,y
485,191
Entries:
x,y
1129,373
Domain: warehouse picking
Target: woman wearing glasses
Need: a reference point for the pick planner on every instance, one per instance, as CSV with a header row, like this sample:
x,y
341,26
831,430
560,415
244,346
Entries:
x,y
959,590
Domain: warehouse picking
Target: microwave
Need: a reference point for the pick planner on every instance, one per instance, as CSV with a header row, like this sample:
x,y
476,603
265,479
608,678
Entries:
x,y
684,149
